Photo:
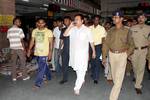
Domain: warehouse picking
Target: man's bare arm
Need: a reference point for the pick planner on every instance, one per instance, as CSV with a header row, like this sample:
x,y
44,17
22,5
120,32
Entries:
x,y
30,46
23,44
66,33
50,48
93,50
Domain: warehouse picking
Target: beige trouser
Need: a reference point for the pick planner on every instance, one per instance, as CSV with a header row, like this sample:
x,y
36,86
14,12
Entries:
x,y
118,65
109,76
22,58
138,62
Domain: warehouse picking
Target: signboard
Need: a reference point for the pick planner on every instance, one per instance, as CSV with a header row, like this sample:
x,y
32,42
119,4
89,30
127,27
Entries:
x,y
6,20
77,4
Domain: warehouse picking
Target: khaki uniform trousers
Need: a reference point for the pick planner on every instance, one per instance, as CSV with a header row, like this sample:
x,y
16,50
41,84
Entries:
x,y
138,62
118,65
129,67
109,76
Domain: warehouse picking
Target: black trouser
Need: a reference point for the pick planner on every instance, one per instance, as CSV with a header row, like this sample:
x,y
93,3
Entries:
x,y
149,75
65,64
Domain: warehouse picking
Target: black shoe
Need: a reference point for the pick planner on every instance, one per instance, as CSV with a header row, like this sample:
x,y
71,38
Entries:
x,y
95,82
134,80
149,77
63,81
138,91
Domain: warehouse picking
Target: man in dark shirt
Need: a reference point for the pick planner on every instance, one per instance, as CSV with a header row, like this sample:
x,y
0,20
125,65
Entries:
x,y
64,45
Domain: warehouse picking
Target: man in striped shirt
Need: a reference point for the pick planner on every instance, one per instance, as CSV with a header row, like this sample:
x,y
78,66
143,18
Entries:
x,y
15,36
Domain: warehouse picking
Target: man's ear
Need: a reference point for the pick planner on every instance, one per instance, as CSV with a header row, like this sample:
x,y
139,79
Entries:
x,y
82,21
122,18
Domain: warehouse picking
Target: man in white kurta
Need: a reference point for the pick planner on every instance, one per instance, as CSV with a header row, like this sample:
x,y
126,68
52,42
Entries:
x,y
80,37
79,46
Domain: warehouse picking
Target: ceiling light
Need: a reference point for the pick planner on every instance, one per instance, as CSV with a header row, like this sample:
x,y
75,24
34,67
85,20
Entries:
x,y
64,9
25,0
43,8
45,5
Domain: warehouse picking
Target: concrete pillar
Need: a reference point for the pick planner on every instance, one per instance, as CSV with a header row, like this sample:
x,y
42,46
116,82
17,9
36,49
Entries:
x,y
7,7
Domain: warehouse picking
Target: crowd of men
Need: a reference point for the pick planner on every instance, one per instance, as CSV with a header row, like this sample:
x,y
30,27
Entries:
x,y
80,43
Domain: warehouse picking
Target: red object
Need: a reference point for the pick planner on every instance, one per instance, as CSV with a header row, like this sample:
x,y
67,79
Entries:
x,y
145,4
3,29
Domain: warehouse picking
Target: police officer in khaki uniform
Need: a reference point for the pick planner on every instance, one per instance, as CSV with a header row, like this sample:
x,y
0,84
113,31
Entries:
x,y
129,64
140,34
119,44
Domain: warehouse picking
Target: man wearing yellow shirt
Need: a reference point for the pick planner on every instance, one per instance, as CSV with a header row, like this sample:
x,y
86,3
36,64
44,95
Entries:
x,y
42,39
98,33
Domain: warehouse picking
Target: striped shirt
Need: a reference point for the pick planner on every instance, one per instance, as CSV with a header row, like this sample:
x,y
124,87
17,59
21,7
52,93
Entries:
x,y
15,34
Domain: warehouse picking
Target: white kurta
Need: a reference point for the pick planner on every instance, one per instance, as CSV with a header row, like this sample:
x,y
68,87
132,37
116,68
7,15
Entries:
x,y
79,47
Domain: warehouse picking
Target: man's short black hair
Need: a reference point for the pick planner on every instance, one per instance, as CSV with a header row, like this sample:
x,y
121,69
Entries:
x,y
41,18
129,20
86,17
67,17
59,19
16,18
108,22
81,16
96,16
141,14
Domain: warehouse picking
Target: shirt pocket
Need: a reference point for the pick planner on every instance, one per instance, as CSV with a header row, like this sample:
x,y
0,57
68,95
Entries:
x,y
123,38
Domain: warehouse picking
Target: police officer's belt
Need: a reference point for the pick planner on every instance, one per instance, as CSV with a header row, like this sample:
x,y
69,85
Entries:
x,y
138,48
118,51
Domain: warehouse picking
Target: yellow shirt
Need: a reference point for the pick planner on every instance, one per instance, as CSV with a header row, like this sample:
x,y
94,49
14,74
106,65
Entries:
x,y
98,33
41,41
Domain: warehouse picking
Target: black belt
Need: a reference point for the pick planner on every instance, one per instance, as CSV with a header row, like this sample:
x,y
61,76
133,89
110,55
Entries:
x,y
98,45
144,47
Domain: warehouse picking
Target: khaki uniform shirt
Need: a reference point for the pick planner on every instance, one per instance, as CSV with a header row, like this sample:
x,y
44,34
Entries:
x,y
141,36
118,39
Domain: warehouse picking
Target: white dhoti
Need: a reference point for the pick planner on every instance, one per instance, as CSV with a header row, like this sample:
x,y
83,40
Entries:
x,y
79,47
80,79
80,65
